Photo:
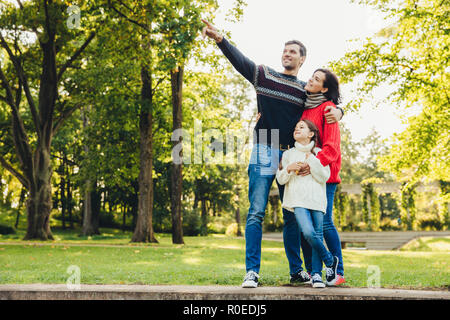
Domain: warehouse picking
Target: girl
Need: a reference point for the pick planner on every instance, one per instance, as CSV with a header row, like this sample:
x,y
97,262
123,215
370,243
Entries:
x,y
306,196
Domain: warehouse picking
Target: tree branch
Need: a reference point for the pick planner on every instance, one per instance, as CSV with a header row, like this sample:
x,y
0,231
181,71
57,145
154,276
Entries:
x,y
63,117
158,83
50,36
143,26
9,95
20,4
14,172
23,79
75,56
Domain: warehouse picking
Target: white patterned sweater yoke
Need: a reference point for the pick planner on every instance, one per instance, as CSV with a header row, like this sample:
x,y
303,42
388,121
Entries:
x,y
304,191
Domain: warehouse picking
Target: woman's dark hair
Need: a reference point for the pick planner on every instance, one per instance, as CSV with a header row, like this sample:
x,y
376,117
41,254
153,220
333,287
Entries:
x,y
332,84
316,137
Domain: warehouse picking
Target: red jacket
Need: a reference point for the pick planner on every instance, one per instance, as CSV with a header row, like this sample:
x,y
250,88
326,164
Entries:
x,y
330,138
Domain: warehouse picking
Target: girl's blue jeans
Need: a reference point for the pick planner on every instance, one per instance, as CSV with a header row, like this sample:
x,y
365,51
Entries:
x,y
330,234
310,223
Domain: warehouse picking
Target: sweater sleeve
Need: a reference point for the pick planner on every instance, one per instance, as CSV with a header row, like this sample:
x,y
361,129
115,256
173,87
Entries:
x,y
241,63
331,142
319,172
282,175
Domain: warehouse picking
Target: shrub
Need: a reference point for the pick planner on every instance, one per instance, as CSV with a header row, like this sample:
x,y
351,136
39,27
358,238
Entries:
x,y
191,222
389,225
351,226
232,230
7,229
431,224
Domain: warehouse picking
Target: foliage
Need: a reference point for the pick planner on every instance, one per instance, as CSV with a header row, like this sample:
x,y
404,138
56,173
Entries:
x,y
412,55
6,229
408,206
371,205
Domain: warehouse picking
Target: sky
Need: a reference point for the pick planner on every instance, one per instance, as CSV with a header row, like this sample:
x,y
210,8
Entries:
x,y
327,28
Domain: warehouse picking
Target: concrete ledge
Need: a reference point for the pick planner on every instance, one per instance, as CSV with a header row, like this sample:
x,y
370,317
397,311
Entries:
x,y
178,292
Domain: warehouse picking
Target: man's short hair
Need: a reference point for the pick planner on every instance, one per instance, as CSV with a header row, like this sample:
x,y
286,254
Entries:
x,y
301,45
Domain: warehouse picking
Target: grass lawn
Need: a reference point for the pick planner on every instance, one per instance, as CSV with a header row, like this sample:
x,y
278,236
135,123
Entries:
x,y
211,260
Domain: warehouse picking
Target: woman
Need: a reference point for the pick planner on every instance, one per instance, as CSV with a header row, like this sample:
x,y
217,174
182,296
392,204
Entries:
x,y
323,91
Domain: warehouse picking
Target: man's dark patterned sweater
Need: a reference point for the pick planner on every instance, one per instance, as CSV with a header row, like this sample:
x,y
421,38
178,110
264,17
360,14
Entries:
x,y
280,97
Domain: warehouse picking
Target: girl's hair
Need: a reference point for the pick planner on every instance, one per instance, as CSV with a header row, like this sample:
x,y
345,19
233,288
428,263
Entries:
x,y
332,84
316,137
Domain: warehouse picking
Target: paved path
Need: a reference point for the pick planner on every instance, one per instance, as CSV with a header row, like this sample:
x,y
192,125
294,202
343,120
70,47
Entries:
x,y
178,292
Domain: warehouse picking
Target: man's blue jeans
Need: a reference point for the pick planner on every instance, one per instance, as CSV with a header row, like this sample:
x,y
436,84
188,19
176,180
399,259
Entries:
x,y
310,223
330,235
261,171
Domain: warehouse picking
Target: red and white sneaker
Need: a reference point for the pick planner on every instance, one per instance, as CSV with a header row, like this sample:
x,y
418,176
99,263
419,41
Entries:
x,y
337,281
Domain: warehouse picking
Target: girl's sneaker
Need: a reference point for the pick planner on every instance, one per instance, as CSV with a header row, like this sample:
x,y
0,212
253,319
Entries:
x,y
317,281
332,272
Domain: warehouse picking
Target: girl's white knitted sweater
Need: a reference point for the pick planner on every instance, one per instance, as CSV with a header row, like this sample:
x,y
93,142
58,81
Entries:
x,y
304,191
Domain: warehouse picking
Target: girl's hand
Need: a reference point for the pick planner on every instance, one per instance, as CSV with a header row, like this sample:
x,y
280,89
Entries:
x,y
258,116
296,166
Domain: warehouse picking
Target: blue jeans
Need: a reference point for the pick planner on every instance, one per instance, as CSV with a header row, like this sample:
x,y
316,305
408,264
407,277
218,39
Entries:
x,y
261,171
310,223
330,234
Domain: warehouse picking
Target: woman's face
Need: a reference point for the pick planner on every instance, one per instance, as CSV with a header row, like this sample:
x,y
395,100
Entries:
x,y
315,84
302,132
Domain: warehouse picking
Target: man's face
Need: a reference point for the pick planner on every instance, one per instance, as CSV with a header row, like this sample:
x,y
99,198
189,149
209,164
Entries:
x,y
291,58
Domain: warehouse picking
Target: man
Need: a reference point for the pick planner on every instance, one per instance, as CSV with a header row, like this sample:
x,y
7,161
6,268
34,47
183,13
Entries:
x,y
281,98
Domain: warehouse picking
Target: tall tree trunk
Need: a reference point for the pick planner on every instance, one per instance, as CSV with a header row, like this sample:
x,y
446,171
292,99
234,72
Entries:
x,y
69,201
124,218
204,218
177,174
19,207
39,202
95,207
238,221
88,227
144,228
62,187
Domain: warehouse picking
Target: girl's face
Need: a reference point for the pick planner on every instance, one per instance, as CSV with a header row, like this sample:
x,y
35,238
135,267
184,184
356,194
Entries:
x,y
315,84
302,132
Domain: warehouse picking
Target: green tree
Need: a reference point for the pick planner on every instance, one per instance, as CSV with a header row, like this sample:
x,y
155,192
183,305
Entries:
x,y
412,55
37,68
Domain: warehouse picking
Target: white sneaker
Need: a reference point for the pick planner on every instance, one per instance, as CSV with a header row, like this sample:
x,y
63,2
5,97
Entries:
x,y
317,281
250,280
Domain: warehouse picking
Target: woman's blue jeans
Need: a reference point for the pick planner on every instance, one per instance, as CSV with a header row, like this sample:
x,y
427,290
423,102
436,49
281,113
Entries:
x,y
310,223
330,234
261,171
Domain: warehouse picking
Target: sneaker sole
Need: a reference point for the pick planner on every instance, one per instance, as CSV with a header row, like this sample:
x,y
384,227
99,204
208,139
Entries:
x,y
298,282
249,284
318,285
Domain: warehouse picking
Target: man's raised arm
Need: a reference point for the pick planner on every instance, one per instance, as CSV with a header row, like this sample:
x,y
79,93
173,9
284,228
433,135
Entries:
x,y
241,63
